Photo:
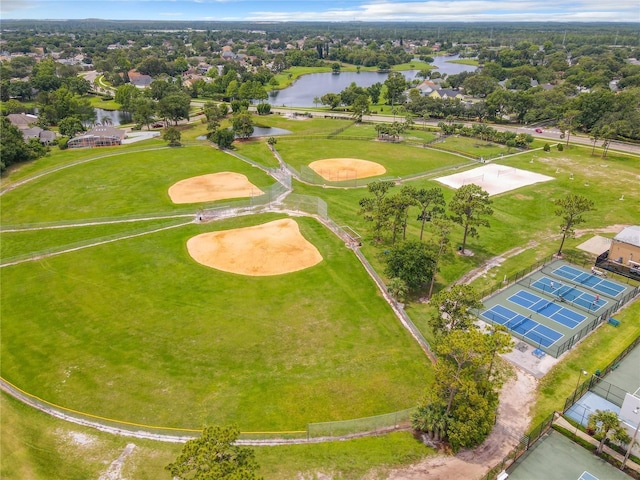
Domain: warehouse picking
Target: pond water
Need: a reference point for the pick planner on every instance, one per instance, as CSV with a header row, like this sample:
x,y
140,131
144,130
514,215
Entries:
x,y
307,87
112,117
269,131
261,132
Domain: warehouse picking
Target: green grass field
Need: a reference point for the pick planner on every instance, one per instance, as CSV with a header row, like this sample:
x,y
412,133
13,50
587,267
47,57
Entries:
x,y
398,159
119,185
35,446
135,330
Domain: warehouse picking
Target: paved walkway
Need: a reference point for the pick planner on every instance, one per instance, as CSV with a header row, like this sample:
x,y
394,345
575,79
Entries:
x,y
565,424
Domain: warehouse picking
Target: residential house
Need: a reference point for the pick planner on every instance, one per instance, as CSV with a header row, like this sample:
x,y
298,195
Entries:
x,y
46,137
138,79
22,120
446,93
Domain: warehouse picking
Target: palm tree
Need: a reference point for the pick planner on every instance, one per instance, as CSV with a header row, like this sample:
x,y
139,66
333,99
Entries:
x,y
606,424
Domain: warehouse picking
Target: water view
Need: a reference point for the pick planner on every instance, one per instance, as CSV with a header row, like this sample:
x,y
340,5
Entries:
x,y
308,87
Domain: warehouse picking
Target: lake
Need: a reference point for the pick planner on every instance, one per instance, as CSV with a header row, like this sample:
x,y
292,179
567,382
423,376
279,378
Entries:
x,y
112,117
307,87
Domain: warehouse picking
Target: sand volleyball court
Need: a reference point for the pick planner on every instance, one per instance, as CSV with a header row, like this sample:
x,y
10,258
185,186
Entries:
x,y
343,169
494,178
272,248
214,186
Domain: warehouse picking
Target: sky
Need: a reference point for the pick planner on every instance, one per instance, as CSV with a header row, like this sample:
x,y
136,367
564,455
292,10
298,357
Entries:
x,y
329,10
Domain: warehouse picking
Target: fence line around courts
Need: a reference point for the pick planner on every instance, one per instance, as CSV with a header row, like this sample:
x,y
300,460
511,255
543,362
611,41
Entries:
x,y
524,444
593,383
557,350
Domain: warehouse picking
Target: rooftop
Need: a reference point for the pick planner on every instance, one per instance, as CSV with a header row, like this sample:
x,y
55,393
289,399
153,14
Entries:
x,y
630,235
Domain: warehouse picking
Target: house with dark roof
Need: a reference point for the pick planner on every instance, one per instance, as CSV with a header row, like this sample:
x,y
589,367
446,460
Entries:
x,y
138,79
446,93
45,137
24,122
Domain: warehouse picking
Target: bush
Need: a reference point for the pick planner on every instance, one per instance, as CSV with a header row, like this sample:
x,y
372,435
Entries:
x,y
263,109
560,147
63,143
546,147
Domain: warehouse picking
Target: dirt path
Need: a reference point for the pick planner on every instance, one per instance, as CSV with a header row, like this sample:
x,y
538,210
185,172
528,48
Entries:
x,y
114,472
516,400
494,262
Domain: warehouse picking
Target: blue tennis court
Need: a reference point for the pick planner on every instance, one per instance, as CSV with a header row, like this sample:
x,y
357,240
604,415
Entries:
x,y
570,293
547,308
587,476
594,282
534,331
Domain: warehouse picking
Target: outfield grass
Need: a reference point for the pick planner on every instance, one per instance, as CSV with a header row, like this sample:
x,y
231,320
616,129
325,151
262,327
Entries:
x,y
119,185
398,159
137,331
39,242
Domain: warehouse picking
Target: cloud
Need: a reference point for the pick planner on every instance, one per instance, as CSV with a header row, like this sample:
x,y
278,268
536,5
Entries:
x,y
464,11
17,5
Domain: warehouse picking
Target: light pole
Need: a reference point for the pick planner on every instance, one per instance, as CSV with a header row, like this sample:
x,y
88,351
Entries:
x,y
582,372
633,440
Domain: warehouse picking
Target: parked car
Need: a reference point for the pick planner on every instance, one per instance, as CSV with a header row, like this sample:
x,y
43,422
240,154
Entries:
x,y
538,130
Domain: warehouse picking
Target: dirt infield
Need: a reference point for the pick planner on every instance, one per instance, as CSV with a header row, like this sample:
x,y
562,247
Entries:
x,y
272,248
342,169
214,186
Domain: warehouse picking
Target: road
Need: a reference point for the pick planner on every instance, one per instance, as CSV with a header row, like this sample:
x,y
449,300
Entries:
x,y
549,134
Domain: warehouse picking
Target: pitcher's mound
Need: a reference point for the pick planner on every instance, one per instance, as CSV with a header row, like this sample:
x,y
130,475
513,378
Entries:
x,y
344,169
215,186
272,248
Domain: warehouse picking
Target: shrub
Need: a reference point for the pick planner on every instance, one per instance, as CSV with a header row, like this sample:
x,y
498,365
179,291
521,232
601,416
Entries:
x,y
560,147
546,147
263,109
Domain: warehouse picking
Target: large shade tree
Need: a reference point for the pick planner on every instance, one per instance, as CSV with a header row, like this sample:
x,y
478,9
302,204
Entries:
x,y
461,404
412,262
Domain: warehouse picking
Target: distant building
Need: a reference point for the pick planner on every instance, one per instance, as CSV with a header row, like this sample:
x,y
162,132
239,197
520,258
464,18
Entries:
x,y
98,137
46,137
138,79
623,256
22,120
446,93
625,248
